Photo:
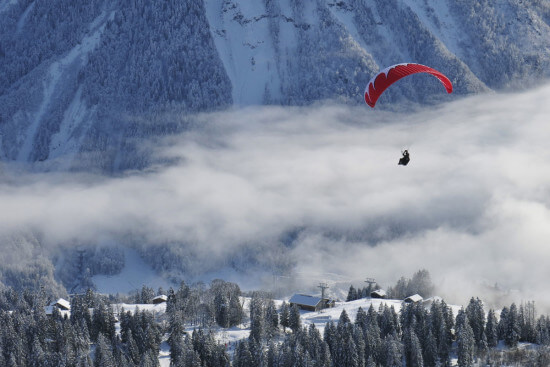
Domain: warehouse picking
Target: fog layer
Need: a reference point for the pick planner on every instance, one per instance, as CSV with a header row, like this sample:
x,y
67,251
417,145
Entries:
x,y
472,207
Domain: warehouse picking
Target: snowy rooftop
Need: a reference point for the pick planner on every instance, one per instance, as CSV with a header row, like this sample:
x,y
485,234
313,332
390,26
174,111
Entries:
x,y
161,298
379,292
305,300
62,303
414,298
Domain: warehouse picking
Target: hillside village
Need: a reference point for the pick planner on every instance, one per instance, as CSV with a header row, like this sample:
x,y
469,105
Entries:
x,y
220,325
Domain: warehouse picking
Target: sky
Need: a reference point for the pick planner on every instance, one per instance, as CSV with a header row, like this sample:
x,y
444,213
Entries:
x,y
472,207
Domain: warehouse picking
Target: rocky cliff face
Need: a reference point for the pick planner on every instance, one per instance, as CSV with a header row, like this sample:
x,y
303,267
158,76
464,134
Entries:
x,y
82,83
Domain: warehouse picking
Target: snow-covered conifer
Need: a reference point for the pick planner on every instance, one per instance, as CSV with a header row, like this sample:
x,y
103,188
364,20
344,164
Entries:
x,y
465,343
294,320
491,329
284,315
512,327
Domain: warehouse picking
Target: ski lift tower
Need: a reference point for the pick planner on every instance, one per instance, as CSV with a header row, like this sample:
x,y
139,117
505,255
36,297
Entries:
x,y
370,282
323,286
324,301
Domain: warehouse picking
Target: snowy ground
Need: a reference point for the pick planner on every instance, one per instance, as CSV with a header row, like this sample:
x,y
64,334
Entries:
x,y
137,273
133,276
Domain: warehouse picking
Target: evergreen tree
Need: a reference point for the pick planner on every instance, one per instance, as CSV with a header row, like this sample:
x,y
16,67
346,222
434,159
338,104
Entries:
x,y
512,327
257,316
359,341
348,355
543,331
440,316
2,358
361,319
331,338
221,307
352,294
430,352
226,303
191,357
219,357
256,352
271,355
236,312
119,353
461,318
103,321
527,318
476,317
370,362
153,337
14,349
133,350
125,327
388,321
37,357
272,318
81,345
316,347
243,357
146,296
345,351
299,356
149,359
392,352
324,359
413,350
176,342
344,318
12,361
294,320
285,315
491,329
501,327
465,340
373,343
171,302
103,353
80,311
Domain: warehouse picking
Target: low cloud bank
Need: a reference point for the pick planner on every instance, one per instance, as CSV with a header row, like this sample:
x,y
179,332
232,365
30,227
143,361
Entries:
x,y
472,207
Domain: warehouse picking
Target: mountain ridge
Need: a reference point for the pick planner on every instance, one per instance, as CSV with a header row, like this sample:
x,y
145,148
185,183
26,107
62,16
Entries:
x,y
78,78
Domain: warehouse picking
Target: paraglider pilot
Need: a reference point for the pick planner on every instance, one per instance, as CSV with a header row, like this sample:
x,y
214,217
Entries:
x,y
405,159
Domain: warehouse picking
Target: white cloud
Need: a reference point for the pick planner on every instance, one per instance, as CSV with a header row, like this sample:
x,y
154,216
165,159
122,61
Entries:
x,y
472,207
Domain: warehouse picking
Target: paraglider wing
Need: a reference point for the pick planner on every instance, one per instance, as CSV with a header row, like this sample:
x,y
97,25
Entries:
x,y
390,75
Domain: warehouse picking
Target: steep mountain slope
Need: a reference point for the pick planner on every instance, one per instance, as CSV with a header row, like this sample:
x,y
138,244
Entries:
x,y
83,82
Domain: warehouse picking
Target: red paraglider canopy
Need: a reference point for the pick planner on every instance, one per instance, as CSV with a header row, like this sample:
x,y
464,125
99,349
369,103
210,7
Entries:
x,y
390,75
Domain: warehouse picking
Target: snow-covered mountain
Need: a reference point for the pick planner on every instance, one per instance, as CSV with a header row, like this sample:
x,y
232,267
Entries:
x,y
81,83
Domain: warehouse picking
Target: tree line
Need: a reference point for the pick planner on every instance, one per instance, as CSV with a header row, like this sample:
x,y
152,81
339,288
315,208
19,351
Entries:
x,y
415,336
98,334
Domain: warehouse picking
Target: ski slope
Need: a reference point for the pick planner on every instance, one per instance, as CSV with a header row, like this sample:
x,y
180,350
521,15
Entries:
x,y
135,274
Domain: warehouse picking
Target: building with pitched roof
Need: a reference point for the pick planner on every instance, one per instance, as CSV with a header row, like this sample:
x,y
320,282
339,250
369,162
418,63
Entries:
x,y
379,293
413,299
160,299
310,303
